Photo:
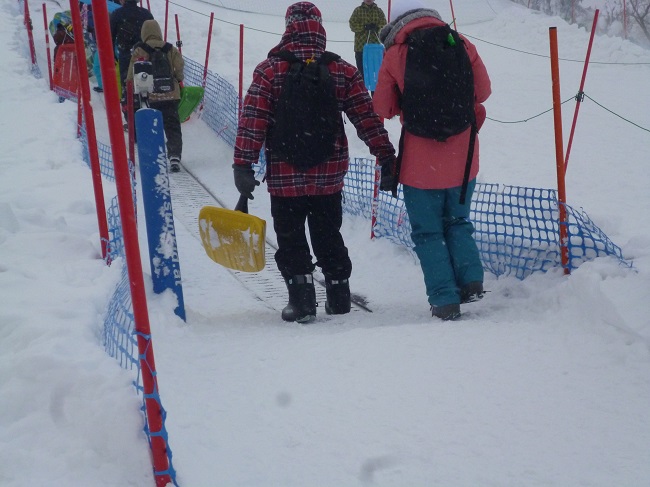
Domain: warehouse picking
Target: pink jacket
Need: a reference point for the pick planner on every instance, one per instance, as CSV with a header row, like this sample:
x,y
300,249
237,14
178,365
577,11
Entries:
x,y
426,163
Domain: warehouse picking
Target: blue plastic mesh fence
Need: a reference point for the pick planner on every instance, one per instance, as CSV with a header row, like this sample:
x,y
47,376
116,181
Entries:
x,y
105,156
516,228
119,335
219,102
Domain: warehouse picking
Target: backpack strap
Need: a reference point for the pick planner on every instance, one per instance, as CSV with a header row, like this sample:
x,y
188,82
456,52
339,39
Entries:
x,y
468,164
327,57
398,162
145,47
150,50
287,56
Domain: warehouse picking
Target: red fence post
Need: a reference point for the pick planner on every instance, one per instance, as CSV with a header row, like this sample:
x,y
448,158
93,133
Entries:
x,y
241,69
84,96
28,25
130,119
207,58
579,97
179,44
166,16
47,46
453,15
131,245
559,156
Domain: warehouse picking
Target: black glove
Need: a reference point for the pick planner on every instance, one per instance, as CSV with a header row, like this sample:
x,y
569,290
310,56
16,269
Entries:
x,y
370,27
386,181
245,181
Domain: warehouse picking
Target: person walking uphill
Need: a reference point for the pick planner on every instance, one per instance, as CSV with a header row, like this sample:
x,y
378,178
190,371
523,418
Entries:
x,y
167,93
444,108
305,169
366,22
126,24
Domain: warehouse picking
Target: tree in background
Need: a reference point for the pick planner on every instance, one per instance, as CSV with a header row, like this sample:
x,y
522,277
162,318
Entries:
x,y
640,12
611,21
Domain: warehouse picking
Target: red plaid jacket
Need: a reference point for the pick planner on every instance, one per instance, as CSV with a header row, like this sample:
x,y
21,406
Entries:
x,y
306,38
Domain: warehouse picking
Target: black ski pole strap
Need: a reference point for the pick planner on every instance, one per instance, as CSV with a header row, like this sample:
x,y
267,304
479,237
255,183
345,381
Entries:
x,y
398,162
468,164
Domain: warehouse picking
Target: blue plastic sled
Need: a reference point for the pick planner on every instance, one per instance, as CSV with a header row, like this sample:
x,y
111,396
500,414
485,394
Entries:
x,y
373,54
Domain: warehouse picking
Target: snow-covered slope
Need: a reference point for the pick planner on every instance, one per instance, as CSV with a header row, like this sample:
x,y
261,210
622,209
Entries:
x,y
544,382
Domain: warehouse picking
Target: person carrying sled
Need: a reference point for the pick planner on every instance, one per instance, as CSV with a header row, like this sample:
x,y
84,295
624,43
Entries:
x,y
366,21
166,100
432,170
126,24
306,182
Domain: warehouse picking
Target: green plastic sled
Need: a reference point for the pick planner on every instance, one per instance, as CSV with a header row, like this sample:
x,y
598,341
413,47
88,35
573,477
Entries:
x,y
191,96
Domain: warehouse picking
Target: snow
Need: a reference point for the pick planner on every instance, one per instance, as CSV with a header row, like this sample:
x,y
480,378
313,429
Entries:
x,y
543,382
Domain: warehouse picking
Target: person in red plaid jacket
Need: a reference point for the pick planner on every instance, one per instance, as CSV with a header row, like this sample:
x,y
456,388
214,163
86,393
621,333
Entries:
x,y
313,195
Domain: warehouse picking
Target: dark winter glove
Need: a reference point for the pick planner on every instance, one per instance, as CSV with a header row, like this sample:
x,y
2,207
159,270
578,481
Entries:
x,y
370,27
386,181
245,181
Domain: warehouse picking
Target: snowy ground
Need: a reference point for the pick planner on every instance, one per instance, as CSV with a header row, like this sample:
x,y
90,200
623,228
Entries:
x,y
544,382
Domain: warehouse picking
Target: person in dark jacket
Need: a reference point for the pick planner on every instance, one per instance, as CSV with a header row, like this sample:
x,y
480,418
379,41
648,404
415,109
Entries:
x,y
126,24
313,195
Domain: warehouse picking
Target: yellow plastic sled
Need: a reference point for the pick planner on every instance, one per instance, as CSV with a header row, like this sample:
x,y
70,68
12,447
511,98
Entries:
x,y
233,238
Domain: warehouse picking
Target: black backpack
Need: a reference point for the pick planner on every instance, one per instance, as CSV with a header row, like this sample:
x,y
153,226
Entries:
x,y
163,77
438,97
307,117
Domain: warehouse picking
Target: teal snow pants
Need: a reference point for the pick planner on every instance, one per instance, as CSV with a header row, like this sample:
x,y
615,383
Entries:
x,y
442,234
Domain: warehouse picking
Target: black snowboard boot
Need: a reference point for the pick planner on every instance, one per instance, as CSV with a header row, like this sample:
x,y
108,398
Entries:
x,y
338,296
471,292
447,312
302,299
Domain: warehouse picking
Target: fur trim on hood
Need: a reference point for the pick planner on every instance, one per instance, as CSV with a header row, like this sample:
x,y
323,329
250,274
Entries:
x,y
390,31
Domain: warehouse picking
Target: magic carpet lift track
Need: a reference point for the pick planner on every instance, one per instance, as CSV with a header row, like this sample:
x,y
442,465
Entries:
x,y
268,284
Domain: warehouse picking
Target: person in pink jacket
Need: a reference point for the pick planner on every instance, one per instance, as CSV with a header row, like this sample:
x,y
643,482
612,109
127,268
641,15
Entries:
x,y
432,172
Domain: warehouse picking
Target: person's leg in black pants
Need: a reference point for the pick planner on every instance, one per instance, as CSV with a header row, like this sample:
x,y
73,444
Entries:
x,y
293,256
172,126
325,218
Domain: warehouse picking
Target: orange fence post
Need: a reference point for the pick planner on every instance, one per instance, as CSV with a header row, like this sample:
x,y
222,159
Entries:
x,y
559,150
